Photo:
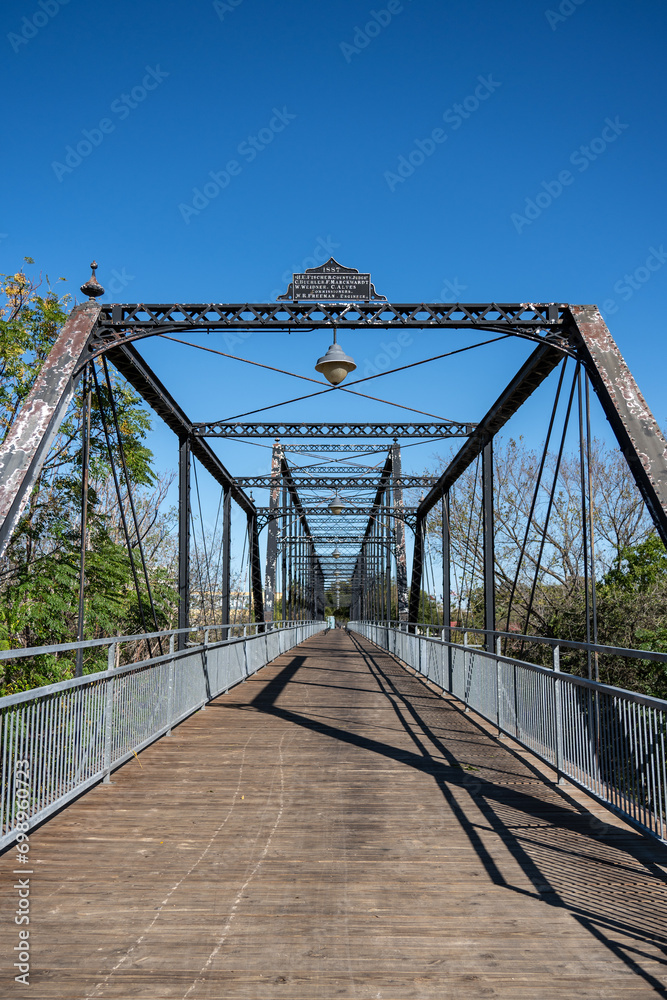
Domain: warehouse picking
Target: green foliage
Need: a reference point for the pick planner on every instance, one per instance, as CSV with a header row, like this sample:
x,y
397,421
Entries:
x,y
639,568
631,613
39,577
29,324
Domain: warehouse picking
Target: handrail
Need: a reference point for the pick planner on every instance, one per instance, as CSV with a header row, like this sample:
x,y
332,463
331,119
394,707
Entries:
x,y
638,654
607,740
74,733
64,647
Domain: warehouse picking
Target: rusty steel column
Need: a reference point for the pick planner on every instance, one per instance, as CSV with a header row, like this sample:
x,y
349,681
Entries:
x,y
272,532
635,427
26,446
401,560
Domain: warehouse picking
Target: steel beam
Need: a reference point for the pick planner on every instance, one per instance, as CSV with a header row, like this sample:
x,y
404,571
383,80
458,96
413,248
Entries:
x,y
272,532
416,578
446,567
488,546
337,482
26,447
226,557
255,569
306,429
184,464
351,449
122,321
635,427
399,528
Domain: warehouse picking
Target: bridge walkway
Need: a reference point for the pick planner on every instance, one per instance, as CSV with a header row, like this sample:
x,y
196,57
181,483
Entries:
x,y
332,828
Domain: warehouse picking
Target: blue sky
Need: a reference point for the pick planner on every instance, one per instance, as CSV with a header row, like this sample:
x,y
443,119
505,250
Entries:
x,y
530,138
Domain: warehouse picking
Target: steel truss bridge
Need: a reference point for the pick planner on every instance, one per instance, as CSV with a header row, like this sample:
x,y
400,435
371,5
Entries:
x,y
303,566
336,535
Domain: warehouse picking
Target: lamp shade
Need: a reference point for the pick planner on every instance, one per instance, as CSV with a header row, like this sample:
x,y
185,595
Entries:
x,y
336,505
335,364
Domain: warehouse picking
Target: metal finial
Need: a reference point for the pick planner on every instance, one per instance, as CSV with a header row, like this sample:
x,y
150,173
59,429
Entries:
x,y
92,287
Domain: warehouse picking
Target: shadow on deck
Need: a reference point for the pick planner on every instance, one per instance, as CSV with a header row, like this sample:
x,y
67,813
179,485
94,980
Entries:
x,y
334,828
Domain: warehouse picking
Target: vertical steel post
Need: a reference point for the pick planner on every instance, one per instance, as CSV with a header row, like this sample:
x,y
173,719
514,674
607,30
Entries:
x,y
272,532
170,690
85,464
255,569
416,579
558,707
446,569
284,614
226,559
108,714
183,538
388,567
489,555
401,561
290,562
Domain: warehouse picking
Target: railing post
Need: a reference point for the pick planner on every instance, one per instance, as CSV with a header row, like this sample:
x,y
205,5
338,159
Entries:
x,y
499,681
205,669
558,696
466,663
170,688
108,714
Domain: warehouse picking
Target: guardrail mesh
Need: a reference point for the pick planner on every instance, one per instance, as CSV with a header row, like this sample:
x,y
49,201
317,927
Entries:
x,y
609,741
59,740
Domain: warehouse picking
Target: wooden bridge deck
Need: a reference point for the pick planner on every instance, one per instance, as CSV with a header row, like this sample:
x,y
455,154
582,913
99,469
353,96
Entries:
x,y
332,828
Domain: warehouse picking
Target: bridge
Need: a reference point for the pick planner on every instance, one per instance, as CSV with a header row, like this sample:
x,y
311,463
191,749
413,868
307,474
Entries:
x,y
426,802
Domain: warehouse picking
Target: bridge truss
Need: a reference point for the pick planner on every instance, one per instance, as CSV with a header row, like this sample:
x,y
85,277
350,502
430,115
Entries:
x,y
312,549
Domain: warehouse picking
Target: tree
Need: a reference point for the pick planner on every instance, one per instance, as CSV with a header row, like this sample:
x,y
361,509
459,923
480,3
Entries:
x,y
530,590
544,592
39,574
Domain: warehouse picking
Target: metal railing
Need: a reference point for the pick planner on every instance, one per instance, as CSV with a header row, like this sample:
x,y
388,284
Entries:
x,y
57,741
609,741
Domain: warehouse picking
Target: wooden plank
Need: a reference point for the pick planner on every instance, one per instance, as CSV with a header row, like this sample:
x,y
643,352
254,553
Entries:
x,y
334,828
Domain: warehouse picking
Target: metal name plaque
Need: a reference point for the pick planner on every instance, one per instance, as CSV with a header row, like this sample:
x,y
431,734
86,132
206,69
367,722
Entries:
x,y
331,282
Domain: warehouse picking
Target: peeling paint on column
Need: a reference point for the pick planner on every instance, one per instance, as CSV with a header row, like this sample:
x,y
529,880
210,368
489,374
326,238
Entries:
x,y
26,446
635,427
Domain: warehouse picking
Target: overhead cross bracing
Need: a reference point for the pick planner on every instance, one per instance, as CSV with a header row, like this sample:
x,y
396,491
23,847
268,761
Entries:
x,y
335,482
222,429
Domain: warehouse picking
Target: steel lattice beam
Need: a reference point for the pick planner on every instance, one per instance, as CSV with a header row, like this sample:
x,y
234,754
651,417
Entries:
x,y
221,429
336,482
120,322
352,449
